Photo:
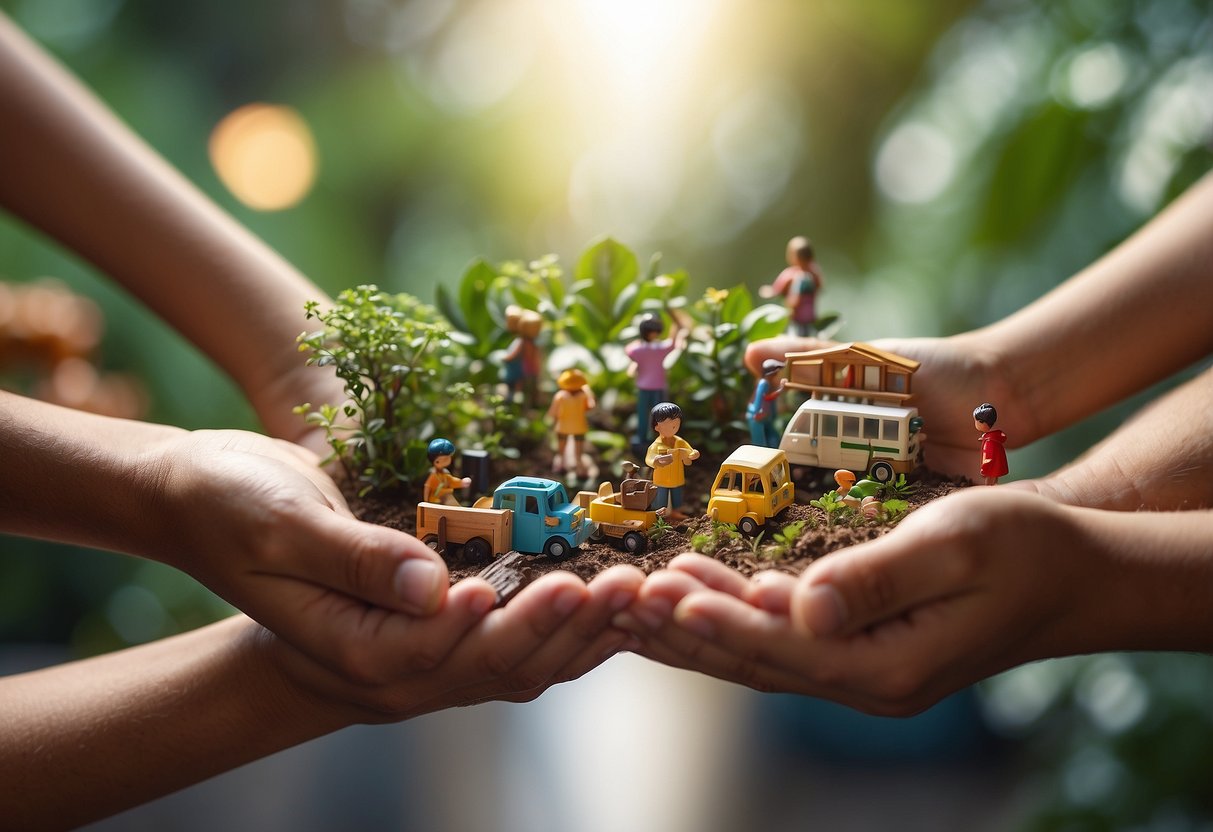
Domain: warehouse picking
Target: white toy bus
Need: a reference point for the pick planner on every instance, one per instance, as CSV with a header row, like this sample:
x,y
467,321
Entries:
x,y
881,440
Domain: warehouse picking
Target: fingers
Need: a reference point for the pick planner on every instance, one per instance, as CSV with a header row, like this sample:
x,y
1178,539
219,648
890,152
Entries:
x,y
578,644
370,645
376,564
921,561
778,347
710,572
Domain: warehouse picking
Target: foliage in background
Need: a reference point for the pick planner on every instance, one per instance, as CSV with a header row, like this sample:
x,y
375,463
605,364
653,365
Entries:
x,y
590,317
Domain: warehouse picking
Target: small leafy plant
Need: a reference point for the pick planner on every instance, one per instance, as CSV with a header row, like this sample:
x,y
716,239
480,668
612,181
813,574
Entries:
x,y
393,353
721,534
832,505
659,529
783,540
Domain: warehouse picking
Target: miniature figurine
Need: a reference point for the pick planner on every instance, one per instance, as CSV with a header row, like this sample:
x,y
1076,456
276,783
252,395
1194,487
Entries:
x,y
523,360
648,354
440,485
799,284
568,410
760,414
993,454
668,456
854,493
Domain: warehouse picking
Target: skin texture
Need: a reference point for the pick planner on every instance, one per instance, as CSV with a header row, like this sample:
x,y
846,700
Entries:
x,y
87,739
1108,553
353,622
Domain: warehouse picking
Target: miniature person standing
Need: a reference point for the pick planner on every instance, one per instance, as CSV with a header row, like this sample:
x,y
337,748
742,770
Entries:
x,y
760,414
668,456
440,485
798,284
569,407
648,354
993,454
522,361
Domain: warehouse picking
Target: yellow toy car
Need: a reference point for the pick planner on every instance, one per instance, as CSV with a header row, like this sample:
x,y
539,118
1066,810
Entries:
x,y
754,485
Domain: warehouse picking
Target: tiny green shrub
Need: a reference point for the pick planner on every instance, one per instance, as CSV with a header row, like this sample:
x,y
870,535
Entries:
x,y
395,357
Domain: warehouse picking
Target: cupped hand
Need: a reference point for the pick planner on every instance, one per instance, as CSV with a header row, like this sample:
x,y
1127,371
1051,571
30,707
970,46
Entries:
x,y
553,631
258,522
956,375
967,586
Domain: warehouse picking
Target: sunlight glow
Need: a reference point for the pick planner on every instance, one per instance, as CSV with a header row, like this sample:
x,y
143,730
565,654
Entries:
x,y
265,155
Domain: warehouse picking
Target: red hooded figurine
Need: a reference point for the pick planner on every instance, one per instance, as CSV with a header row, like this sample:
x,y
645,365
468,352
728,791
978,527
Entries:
x,y
993,454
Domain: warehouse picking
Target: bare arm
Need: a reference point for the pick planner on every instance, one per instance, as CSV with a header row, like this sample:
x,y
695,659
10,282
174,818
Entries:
x,y
1134,317
77,173
84,740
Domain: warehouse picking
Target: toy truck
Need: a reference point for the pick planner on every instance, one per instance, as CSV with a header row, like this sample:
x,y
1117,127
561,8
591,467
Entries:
x,y
753,485
525,514
623,516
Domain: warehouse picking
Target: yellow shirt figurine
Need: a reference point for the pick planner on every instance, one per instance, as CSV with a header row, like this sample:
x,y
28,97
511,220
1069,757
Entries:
x,y
569,406
668,456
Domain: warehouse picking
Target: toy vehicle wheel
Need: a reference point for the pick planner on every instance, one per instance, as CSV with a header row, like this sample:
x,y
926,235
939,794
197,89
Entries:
x,y
748,526
634,543
477,549
431,540
556,548
597,536
882,472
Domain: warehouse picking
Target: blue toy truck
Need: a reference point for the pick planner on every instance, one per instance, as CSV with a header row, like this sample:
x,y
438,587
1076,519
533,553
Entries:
x,y
525,514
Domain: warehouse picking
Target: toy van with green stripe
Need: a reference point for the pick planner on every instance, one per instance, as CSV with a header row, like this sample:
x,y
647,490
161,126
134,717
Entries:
x,y
882,440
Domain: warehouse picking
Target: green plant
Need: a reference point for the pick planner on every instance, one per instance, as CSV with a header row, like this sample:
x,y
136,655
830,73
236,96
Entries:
x,y
832,505
894,510
393,353
721,534
726,321
755,544
899,488
659,529
783,540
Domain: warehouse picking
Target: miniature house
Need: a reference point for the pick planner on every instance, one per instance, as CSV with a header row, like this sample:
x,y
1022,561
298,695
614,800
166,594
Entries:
x,y
854,371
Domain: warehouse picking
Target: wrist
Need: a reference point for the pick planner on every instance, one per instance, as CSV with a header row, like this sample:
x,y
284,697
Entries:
x,y
1151,585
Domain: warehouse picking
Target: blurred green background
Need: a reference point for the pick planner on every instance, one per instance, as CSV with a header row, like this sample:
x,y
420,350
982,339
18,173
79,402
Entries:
x,y
951,161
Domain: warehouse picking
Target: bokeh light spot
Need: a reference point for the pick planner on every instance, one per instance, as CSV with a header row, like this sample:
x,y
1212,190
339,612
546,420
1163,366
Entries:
x,y
265,155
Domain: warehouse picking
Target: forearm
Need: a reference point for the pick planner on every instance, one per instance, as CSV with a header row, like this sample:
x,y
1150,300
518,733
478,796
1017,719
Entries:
x,y
1155,590
1160,459
1132,318
77,173
88,739
77,477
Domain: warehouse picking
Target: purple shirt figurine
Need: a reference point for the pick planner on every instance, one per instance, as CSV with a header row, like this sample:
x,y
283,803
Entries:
x,y
650,362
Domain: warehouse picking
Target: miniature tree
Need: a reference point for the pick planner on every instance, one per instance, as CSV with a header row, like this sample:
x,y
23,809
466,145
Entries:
x,y
394,355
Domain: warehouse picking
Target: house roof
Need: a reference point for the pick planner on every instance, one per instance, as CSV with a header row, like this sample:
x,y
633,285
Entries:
x,y
860,349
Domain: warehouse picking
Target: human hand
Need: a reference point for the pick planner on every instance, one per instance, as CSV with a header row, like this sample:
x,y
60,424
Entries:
x,y
257,521
965,587
553,631
957,373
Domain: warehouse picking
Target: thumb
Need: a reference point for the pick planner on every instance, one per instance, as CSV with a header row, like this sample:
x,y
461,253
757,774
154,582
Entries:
x,y
376,564
917,563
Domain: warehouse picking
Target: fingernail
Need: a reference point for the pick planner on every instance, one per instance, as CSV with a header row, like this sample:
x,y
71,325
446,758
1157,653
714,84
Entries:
x,y
566,601
827,612
416,585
